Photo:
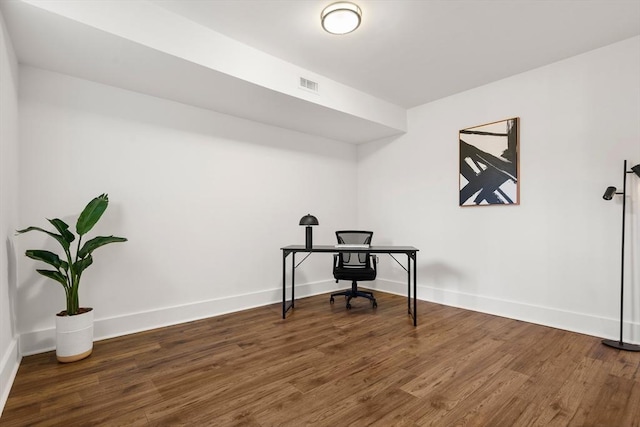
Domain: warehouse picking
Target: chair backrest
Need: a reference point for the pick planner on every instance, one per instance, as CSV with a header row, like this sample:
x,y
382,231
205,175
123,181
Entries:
x,y
357,237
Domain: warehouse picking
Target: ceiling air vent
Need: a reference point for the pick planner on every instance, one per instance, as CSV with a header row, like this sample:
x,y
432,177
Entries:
x,y
308,85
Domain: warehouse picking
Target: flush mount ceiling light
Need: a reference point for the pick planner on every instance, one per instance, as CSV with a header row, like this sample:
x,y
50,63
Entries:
x,y
341,18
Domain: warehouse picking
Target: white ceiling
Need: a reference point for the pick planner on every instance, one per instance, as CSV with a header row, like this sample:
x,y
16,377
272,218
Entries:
x,y
405,53
410,52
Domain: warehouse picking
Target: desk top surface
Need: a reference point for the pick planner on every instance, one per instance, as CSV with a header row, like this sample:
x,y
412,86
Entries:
x,y
333,249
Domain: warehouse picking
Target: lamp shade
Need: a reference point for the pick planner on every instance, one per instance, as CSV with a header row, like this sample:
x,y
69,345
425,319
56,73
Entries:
x,y
308,219
636,169
609,192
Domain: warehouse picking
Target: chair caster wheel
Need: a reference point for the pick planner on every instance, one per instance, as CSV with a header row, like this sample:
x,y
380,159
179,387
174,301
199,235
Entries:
x,y
331,300
375,304
348,306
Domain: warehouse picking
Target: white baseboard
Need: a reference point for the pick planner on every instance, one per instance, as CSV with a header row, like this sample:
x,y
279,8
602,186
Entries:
x,y
9,365
561,319
104,328
44,340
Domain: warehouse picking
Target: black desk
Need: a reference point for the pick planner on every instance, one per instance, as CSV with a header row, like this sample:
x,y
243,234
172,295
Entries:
x,y
292,250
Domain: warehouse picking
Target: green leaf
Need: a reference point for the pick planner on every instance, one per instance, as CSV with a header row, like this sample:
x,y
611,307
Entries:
x,y
96,242
91,214
63,229
55,275
48,257
63,242
81,265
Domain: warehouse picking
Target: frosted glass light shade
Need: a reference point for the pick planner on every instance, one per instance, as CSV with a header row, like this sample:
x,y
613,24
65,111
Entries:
x,y
341,18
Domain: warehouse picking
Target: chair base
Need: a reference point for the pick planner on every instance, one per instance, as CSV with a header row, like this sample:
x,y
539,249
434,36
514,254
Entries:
x,y
354,292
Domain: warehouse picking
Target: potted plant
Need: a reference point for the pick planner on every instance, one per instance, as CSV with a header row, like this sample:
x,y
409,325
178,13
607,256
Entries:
x,y
74,326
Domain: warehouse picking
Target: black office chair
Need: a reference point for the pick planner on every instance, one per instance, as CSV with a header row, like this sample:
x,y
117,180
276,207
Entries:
x,y
354,266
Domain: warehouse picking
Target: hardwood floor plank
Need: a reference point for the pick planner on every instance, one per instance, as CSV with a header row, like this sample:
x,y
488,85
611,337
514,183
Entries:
x,y
562,406
478,410
442,371
631,415
325,365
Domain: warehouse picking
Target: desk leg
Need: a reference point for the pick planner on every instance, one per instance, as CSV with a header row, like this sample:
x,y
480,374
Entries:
x,y
415,289
285,254
284,284
409,284
293,280
414,313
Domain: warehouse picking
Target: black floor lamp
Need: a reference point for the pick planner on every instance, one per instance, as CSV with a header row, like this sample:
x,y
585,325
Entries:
x,y
608,195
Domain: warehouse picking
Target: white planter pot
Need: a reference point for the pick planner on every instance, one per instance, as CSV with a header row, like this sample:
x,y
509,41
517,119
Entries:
x,y
74,336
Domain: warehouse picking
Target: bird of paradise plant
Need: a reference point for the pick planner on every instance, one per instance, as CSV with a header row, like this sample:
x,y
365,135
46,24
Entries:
x,y
68,269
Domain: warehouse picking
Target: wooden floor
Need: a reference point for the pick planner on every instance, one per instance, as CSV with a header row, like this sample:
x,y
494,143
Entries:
x,y
326,366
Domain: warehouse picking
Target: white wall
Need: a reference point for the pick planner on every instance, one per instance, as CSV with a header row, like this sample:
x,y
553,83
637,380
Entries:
x,y
206,201
555,259
9,357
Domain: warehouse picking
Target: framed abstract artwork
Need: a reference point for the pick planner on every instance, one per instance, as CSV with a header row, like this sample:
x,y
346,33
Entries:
x,y
489,166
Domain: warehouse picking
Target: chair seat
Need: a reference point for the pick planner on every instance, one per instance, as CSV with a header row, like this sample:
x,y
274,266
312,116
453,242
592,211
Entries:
x,y
357,274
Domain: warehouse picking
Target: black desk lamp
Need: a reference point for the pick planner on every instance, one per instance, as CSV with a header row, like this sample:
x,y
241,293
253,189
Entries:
x,y
608,195
308,220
